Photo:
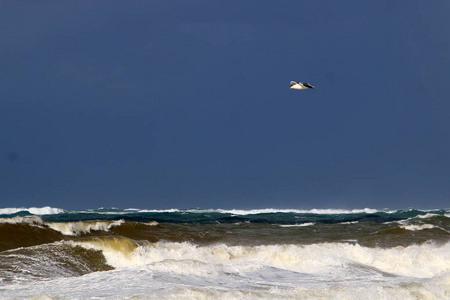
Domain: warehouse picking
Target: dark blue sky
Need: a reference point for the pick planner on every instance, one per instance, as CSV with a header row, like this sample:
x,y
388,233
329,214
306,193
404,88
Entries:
x,y
179,104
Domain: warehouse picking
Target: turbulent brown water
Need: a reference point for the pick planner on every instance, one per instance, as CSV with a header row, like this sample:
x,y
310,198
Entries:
x,y
300,248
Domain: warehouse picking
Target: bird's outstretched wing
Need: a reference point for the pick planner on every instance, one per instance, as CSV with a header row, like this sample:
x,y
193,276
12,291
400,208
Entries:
x,y
307,85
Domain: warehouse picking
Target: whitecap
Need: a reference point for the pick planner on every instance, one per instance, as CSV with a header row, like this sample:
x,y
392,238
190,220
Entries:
x,y
419,261
46,210
418,227
297,225
77,228
30,220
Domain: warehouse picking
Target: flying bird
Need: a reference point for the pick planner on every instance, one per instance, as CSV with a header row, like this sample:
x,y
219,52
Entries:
x,y
300,85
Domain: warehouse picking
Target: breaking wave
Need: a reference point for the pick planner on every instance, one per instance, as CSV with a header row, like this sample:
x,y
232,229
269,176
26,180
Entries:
x,y
263,253
78,228
47,210
424,261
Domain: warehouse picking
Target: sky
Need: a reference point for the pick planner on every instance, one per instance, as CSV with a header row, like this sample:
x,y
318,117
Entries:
x,y
182,104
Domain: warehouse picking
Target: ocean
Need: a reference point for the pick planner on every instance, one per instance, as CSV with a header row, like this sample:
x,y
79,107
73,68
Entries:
x,y
109,253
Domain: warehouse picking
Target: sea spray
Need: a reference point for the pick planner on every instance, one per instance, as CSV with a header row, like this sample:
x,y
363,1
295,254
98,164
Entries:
x,y
424,261
77,228
225,254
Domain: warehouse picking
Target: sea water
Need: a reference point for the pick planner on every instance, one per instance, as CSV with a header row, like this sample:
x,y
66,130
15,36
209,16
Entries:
x,y
51,253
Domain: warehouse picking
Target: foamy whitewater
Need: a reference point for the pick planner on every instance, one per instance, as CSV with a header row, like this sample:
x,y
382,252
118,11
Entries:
x,y
52,253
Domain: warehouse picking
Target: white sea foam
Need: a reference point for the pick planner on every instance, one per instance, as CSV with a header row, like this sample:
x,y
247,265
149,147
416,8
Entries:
x,y
427,216
77,228
68,228
422,261
46,210
417,227
30,220
51,210
322,271
298,225
172,210
244,212
276,210
144,284
168,270
113,211
349,223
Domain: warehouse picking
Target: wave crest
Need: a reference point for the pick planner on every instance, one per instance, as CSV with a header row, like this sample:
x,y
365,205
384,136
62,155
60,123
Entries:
x,y
78,228
46,210
423,261
30,220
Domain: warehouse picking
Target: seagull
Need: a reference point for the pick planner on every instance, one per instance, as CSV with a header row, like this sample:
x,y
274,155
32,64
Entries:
x,y
300,85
